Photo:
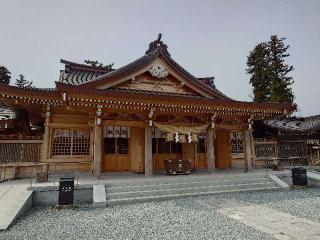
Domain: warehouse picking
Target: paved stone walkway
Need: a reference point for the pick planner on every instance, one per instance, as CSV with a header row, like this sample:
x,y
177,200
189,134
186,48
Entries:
x,y
12,201
280,225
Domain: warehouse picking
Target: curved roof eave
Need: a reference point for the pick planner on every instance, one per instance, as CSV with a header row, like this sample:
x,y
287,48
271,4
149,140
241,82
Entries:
x,y
143,62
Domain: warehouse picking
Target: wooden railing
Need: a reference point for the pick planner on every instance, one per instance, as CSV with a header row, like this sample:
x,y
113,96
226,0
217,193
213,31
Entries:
x,y
20,151
287,153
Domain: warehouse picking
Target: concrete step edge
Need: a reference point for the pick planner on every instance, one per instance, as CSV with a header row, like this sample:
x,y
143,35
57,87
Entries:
x,y
173,196
175,179
189,188
184,182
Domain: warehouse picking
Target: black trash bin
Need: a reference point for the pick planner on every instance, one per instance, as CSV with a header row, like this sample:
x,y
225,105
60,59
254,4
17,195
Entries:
x,y
66,191
299,176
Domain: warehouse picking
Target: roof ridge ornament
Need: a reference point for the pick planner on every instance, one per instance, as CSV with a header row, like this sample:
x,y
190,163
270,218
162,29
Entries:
x,y
158,45
158,71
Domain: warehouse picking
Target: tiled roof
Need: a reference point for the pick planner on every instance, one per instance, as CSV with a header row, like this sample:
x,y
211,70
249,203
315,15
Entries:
x,y
76,74
295,124
114,89
156,49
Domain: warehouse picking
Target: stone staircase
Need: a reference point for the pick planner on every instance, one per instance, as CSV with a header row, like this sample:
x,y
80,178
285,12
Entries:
x,y
185,186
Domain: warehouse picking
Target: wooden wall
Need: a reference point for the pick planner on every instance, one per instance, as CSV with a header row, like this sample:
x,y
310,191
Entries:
x,y
136,149
74,120
222,149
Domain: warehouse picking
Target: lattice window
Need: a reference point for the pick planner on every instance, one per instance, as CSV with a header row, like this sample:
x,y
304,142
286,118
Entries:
x,y
67,142
81,142
116,140
117,132
236,142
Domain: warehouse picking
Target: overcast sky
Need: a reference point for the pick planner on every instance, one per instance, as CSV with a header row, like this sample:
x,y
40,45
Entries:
x,y
208,38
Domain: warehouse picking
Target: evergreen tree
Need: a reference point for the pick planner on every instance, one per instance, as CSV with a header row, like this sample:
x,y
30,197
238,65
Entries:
x,y
281,90
22,82
96,63
4,75
258,63
269,72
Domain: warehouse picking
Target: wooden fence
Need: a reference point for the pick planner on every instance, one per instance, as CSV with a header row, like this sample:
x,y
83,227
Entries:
x,y
20,151
288,153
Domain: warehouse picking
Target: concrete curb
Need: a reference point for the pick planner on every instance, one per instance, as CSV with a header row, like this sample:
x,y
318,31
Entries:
x,y
279,182
22,206
313,176
99,196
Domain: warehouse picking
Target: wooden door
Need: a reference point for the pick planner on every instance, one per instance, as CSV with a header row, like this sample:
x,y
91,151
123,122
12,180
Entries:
x,y
201,155
116,155
222,149
188,153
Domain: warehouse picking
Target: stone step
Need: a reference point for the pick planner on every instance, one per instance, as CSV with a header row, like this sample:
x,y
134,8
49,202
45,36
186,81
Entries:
x,y
174,196
187,190
189,184
182,179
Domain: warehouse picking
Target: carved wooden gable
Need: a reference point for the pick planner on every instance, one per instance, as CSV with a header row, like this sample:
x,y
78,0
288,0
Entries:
x,y
157,79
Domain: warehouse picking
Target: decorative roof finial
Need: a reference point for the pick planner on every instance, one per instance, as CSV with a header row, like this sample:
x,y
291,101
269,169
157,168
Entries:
x,y
158,45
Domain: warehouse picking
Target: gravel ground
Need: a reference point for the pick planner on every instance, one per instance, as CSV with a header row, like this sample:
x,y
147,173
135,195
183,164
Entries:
x,y
174,219
303,203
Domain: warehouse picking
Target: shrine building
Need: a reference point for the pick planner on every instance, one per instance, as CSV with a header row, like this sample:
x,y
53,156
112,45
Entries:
x,y
98,119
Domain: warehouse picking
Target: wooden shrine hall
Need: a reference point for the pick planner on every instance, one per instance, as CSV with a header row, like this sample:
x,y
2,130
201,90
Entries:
x,y
135,117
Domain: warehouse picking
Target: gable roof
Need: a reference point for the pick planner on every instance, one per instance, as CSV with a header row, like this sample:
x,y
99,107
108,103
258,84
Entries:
x,y
76,73
157,49
295,124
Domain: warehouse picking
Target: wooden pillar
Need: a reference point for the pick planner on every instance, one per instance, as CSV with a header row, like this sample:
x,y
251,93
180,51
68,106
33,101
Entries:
x,y
253,150
210,149
97,149
46,137
247,149
148,166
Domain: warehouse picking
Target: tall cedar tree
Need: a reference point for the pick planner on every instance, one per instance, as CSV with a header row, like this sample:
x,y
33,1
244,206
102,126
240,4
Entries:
x,y
22,82
269,72
96,63
4,75
281,90
258,63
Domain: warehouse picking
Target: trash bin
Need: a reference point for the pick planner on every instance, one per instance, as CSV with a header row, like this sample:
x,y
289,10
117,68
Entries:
x,y
66,191
299,176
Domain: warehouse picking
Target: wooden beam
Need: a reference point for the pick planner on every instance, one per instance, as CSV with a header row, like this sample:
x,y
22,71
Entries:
x,y
68,125
44,152
247,150
21,141
210,149
139,124
148,167
97,149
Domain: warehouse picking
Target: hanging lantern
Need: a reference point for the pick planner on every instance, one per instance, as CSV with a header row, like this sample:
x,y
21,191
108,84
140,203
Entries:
x,y
169,137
